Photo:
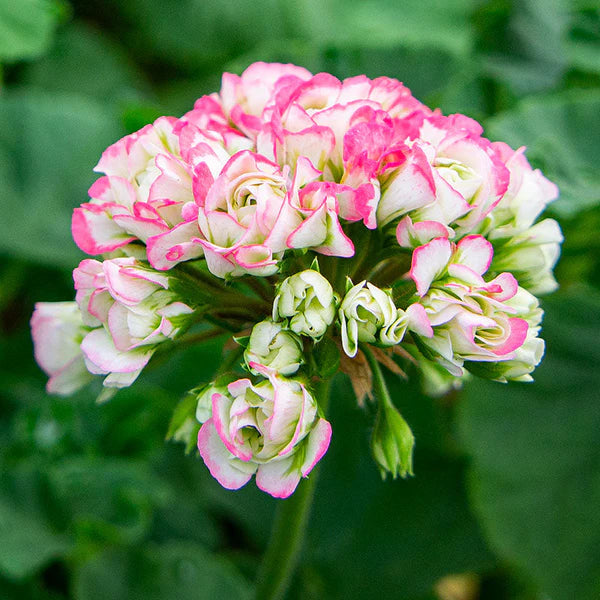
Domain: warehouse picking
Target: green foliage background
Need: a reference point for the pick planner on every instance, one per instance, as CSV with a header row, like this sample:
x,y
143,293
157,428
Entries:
x,y
95,505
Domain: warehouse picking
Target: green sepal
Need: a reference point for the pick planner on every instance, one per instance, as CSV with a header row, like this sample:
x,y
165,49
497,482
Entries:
x,y
242,340
183,426
326,358
107,393
403,292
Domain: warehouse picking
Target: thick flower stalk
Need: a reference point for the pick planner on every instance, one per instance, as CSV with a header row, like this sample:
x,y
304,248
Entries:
x,y
253,214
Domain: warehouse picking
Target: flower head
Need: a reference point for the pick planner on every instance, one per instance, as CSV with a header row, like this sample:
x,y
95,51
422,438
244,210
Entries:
x,y
250,186
130,310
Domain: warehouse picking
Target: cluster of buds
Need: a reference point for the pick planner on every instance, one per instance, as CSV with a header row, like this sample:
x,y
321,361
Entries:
x,y
255,214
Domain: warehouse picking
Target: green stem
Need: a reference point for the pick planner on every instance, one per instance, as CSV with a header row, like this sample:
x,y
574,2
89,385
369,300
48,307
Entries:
x,y
280,560
379,386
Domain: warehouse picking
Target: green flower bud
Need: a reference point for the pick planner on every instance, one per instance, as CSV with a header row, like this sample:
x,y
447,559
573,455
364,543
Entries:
x,y
392,442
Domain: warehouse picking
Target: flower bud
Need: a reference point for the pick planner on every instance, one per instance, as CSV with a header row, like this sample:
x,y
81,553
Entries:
x,y
366,312
308,301
272,346
392,442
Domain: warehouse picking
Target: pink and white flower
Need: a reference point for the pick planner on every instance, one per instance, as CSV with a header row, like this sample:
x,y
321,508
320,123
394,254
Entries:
x,y
472,319
142,193
57,330
531,256
244,98
470,176
156,181
523,248
527,195
448,175
310,218
271,429
132,310
349,130
239,215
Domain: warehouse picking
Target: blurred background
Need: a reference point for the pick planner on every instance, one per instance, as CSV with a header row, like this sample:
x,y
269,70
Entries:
x,y
95,505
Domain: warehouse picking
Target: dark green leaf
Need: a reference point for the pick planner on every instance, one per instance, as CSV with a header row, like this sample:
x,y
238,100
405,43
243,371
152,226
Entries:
x,y
394,539
536,459
26,543
106,499
184,571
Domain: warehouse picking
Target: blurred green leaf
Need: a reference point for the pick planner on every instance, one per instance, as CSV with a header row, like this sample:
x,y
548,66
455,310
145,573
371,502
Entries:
x,y
381,23
179,570
49,144
106,499
523,42
583,45
580,253
27,26
535,479
26,543
195,34
83,61
562,134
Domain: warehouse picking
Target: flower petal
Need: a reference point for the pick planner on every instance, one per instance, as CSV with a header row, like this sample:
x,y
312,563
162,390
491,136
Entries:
x,y
278,477
429,262
229,471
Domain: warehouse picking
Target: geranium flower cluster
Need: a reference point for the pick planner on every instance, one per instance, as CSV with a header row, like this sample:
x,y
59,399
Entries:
x,y
298,213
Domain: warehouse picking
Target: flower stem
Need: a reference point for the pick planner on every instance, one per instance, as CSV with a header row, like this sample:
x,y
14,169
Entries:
x,y
281,558
379,386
